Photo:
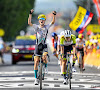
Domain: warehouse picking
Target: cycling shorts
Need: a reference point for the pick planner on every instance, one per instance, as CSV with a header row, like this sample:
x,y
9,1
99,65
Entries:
x,y
67,49
38,52
82,51
55,45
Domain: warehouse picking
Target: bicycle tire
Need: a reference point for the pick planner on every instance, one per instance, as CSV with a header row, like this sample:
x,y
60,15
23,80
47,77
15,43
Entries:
x,y
40,75
43,72
69,76
81,64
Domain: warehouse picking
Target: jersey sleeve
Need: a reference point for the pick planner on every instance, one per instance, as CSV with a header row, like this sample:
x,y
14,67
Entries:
x,y
62,41
58,42
52,42
49,25
35,27
74,39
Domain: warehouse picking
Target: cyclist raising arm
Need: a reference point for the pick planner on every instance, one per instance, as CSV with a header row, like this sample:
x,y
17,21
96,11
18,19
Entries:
x,y
41,35
67,43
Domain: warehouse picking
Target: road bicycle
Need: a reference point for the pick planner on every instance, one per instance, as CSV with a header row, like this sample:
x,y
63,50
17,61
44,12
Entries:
x,y
69,68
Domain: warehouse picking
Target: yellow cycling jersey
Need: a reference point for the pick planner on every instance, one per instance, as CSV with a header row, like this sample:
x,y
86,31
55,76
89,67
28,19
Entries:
x,y
63,41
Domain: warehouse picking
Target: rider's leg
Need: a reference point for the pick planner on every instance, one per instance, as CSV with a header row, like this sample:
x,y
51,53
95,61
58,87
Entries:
x,y
61,64
64,67
45,61
83,60
36,63
55,54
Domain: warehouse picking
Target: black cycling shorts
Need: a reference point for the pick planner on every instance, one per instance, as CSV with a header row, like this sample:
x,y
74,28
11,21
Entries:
x,y
82,51
38,52
67,49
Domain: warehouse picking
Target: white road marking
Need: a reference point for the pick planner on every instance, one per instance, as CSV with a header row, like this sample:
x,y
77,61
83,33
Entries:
x,y
49,72
48,82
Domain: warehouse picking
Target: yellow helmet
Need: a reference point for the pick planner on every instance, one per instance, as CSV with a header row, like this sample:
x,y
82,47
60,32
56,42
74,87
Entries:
x,y
42,16
80,36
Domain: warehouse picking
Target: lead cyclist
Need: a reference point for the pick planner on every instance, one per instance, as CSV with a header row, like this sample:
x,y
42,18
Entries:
x,y
41,35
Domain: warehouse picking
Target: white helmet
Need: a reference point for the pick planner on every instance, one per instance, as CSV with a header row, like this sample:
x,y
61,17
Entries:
x,y
62,33
67,33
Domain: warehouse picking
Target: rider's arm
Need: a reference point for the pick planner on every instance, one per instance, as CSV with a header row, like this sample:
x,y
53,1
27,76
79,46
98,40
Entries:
x,y
74,48
62,45
54,14
62,50
52,43
74,44
30,17
58,45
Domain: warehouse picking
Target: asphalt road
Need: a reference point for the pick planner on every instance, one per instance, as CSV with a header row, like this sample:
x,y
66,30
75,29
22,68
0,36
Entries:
x,y
21,77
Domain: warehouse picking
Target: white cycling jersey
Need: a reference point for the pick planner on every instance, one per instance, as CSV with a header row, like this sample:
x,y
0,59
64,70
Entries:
x,y
80,44
41,32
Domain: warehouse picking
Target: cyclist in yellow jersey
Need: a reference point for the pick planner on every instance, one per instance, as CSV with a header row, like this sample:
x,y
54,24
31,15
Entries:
x,y
67,43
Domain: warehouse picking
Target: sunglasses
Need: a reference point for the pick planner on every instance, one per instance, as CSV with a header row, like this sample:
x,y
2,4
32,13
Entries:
x,y
67,37
41,18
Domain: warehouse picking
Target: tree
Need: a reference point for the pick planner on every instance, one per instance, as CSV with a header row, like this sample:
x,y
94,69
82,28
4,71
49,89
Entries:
x,y
13,16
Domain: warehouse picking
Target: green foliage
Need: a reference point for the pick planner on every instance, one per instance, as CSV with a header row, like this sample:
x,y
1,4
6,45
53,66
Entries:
x,y
13,16
89,5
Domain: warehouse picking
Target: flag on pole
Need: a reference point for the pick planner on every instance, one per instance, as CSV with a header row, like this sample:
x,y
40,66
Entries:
x,y
97,5
81,20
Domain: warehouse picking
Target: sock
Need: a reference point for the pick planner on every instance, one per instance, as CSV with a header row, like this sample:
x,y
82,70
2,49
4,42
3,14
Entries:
x,y
64,75
35,72
45,65
73,63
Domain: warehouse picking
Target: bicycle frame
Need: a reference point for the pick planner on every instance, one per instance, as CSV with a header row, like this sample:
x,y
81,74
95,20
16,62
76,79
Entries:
x,y
80,62
41,72
69,69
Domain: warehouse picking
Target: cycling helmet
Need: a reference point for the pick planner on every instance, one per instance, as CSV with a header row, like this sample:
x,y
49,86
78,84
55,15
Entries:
x,y
42,16
62,33
80,36
67,33
54,34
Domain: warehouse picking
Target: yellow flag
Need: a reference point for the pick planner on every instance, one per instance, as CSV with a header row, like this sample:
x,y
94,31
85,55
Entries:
x,y
78,18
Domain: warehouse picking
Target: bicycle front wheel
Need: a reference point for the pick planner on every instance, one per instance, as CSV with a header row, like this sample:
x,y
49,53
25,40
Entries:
x,y
70,74
81,64
40,75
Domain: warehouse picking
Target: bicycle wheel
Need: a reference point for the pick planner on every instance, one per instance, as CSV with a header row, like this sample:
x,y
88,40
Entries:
x,y
69,76
43,71
40,75
81,64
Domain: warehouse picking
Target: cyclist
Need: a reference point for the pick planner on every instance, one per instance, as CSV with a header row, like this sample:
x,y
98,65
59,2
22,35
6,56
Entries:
x,y
80,46
41,35
56,45
67,43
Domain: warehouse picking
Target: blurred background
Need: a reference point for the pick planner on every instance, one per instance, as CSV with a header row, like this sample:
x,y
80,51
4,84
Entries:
x,y
14,15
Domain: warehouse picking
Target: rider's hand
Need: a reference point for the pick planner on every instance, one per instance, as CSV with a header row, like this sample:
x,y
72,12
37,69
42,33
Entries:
x,y
54,12
31,11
